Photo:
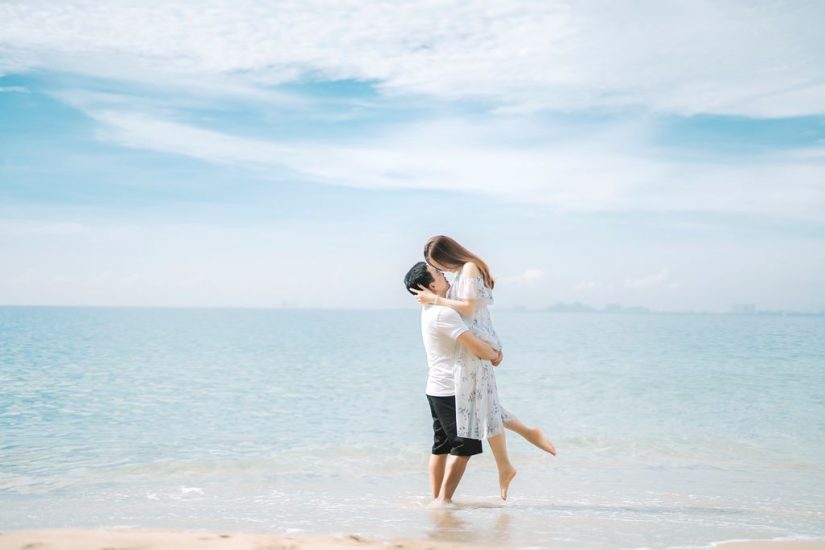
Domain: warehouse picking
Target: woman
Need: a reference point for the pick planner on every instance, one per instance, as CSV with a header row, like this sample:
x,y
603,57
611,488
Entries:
x,y
479,414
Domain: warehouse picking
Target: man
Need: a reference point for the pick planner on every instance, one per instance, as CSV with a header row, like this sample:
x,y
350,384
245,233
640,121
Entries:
x,y
443,332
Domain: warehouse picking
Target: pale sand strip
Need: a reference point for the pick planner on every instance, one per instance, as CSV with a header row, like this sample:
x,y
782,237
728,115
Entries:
x,y
154,539
761,545
772,545
157,539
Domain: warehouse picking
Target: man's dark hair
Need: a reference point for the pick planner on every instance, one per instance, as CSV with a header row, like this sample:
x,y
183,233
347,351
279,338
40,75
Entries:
x,y
418,275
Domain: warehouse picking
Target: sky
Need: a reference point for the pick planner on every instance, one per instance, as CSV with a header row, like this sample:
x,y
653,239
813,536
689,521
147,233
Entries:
x,y
666,154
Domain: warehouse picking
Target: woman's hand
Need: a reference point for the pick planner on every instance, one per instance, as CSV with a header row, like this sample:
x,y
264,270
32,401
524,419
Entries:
x,y
424,295
497,361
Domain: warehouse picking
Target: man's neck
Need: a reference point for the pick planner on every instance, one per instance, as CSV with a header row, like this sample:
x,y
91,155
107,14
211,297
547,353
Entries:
x,y
441,299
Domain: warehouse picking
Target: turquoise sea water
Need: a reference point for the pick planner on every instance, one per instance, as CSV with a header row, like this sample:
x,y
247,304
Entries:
x,y
671,429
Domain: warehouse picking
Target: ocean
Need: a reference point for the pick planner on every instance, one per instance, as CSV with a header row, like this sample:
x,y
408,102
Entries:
x,y
671,429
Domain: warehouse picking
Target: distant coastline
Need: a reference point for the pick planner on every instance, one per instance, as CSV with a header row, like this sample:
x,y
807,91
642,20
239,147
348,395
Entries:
x,y
579,307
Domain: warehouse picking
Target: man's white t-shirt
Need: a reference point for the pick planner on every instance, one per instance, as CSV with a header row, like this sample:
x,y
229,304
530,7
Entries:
x,y
440,328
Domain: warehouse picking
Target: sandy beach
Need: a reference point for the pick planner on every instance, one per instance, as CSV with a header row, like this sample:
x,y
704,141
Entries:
x,y
762,545
155,539
773,545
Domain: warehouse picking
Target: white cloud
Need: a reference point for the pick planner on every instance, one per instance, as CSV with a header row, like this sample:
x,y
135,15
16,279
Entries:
x,y
605,170
522,56
528,276
205,264
431,155
268,265
28,227
13,90
661,278
585,285
731,57
142,131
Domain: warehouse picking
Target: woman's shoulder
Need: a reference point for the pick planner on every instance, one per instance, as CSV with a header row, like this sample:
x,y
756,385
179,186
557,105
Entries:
x,y
471,274
472,285
470,269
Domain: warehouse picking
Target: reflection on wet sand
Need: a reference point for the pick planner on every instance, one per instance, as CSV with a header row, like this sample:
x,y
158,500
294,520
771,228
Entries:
x,y
448,526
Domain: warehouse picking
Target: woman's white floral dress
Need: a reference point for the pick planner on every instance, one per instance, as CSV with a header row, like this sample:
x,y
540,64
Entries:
x,y
479,415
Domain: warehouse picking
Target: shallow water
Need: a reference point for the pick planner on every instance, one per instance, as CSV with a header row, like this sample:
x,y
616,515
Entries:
x,y
671,429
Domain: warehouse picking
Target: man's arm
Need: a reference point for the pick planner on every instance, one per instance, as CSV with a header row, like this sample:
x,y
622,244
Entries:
x,y
451,325
479,347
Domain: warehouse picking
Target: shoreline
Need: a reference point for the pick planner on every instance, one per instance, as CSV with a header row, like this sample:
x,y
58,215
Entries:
x,y
157,539
760,544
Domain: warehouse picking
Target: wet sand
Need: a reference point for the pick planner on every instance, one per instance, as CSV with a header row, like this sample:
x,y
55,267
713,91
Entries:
x,y
153,539
773,545
762,545
157,539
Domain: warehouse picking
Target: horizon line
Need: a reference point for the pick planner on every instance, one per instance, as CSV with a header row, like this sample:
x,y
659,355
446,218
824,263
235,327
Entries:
x,y
611,309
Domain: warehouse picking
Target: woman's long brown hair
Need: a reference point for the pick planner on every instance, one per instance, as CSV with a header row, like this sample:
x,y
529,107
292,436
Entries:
x,y
447,252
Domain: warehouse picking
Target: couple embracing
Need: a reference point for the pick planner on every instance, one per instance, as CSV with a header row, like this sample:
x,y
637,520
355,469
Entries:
x,y
462,350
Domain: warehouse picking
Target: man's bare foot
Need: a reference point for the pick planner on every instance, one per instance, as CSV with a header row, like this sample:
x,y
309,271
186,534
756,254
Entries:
x,y
540,440
504,479
441,503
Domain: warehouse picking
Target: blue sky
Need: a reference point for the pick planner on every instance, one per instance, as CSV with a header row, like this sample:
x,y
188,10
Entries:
x,y
670,155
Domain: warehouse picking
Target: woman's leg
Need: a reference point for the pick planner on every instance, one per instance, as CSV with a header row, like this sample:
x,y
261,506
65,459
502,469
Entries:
x,y
533,435
506,472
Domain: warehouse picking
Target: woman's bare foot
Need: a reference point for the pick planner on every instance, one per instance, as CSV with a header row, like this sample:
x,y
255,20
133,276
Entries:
x,y
504,479
537,438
